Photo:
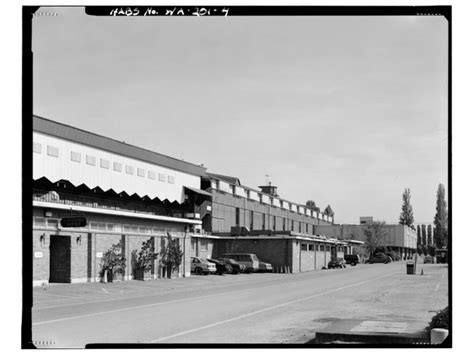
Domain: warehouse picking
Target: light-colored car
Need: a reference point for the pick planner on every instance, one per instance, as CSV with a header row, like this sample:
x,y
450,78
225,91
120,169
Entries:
x,y
202,266
249,260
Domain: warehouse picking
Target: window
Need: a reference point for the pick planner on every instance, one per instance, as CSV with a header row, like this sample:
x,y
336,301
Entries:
x,y
204,246
37,147
251,220
299,227
274,222
193,243
292,225
117,167
284,223
170,179
263,221
237,216
304,247
247,192
52,223
162,177
328,248
53,151
104,163
141,172
40,222
76,157
311,247
151,175
260,197
129,169
307,228
90,160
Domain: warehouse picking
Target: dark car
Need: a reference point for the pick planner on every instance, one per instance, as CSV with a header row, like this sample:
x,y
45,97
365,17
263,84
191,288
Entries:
x,y
232,266
352,259
379,258
220,266
338,263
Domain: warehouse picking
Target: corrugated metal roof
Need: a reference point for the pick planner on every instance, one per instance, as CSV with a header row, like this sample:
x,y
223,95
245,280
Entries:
x,y
77,135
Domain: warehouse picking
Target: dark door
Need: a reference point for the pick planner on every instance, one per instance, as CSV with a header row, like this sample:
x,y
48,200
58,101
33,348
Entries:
x,y
60,259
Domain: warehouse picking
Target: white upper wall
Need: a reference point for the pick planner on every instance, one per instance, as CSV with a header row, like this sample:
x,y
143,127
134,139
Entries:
x,y
56,159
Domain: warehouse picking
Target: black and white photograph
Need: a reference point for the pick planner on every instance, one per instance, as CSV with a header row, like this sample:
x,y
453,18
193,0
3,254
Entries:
x,y
237,176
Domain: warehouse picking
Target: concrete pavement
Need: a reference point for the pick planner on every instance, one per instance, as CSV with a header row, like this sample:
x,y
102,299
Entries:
x,y
255,308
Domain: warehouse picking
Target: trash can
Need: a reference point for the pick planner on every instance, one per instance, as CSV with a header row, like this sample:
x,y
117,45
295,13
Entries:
x,y
410,268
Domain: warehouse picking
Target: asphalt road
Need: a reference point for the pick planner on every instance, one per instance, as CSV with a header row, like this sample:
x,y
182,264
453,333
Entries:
x,y
256,308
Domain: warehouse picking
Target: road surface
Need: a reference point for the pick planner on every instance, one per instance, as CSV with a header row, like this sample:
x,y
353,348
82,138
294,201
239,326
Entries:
x,y
255,308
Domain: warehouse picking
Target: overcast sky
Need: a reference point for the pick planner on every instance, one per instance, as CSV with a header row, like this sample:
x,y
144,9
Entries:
x,y
346,111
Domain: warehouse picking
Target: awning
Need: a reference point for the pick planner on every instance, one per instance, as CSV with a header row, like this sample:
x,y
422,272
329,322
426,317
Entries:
x,y
198,191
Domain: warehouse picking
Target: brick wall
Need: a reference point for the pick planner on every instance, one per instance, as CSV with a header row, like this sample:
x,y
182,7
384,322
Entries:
x,y
40,264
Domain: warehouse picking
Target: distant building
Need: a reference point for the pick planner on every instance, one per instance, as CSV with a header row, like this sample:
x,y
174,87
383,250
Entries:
x,y
398,238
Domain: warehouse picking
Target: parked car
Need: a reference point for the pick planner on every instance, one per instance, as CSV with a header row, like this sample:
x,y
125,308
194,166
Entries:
x,y
428,260
338,263
201,266
249,260
379,258
264,267
220,266
232,266
352,259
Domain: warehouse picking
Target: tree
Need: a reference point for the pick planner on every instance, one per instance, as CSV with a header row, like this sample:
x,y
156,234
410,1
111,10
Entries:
x,y
375,234
441,219
429,236
406,216
423,234
172,255
418,235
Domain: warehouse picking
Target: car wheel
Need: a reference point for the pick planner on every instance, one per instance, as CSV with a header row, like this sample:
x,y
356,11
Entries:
x,y
228,269
198,271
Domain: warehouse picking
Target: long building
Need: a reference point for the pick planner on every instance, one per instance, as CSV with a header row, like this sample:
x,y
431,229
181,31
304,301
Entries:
x,y
127,195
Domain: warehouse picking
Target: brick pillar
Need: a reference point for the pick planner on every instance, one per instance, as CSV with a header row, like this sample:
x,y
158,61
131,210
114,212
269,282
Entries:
x,y
128,256
156,262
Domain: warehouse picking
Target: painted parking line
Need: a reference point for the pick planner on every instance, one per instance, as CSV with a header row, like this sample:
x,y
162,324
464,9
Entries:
x,y
267,309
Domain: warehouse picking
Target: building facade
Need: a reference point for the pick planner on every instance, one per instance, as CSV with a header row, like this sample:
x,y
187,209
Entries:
x,y
126,194
235,205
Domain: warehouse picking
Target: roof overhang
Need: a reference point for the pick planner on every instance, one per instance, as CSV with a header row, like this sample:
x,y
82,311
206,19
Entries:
x,y
198,191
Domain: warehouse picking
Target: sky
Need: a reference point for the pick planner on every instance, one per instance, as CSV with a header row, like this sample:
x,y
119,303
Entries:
x,y
346,111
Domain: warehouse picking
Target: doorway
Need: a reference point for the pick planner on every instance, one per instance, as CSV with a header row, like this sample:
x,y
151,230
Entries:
x,y
60,259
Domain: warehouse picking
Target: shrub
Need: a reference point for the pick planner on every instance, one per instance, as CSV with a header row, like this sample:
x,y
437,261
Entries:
x,y
113,261
144,259
440,320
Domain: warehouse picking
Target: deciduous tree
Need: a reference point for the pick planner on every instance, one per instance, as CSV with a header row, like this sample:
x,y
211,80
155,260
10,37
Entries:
x,y
406,216
375,234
